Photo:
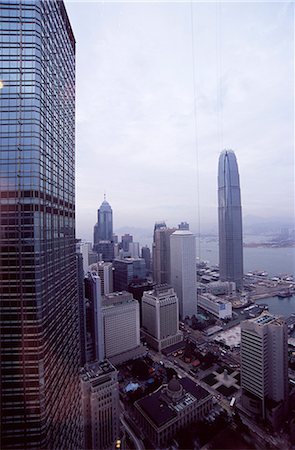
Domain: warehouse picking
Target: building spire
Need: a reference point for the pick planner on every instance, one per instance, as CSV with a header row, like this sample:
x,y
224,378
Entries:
x,y
104,196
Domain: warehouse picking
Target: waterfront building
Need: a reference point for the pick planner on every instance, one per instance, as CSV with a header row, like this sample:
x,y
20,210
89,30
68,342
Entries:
x,y
121,326
100,405
230,220
171,407
94,319
128,270
221,287
264,367
220,308
161,253
183,271
160,317
40,348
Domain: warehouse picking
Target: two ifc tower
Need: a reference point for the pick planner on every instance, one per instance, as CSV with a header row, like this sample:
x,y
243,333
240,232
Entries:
x,y
230,220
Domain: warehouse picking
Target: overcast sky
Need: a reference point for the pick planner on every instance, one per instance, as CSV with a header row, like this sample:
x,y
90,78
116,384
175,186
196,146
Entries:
x,y
136,121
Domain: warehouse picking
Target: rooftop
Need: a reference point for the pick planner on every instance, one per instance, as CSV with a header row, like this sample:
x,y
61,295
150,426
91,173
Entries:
x,y
158,408
116,298
92,370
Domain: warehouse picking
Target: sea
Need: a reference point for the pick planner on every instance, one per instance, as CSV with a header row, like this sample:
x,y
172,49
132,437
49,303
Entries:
x,y
275,261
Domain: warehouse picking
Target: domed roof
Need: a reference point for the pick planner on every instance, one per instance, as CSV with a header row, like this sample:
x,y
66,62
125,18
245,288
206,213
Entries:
x,y
174,385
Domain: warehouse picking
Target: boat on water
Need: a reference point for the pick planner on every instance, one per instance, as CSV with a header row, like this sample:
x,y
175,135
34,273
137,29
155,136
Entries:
x,y
284,294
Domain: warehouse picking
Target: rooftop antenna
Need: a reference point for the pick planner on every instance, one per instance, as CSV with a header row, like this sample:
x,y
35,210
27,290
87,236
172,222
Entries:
x,y
104,196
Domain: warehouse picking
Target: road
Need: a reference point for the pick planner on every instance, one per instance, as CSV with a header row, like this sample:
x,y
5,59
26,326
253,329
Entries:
x,y
137,442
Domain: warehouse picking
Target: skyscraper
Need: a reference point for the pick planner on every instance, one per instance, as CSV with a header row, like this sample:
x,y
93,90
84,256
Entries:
x,y
160,317
40,354
264,367
183,271
161,253
230,220
103,230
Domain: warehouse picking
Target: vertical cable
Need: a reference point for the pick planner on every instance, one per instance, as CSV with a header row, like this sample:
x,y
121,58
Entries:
x,y
196,128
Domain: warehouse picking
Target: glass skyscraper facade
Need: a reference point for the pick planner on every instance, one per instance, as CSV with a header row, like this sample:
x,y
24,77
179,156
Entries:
x,y
230,220
103,230
40,354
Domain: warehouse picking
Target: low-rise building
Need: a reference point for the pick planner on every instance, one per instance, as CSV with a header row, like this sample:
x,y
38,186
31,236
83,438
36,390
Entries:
x,y
220,308
100,405
172,407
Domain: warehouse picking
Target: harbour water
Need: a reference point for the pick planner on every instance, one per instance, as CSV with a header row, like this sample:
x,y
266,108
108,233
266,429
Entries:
x,y
279,306
275,261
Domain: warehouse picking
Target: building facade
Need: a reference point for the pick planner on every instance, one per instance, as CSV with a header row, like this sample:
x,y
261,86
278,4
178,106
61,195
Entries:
x,y
264,367
39,314
161,253
105,272
100,405
219,307
230,220
94,319
126,271
121,325
103,230
183,271
160,317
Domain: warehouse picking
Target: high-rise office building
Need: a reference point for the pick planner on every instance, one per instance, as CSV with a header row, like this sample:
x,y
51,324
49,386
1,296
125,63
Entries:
x,y
94,320
161,253
121,326
160,317
230,220
264,367
105,272
146,255
183,271
40,350
103,230
134,249
100,404
126,239
128,270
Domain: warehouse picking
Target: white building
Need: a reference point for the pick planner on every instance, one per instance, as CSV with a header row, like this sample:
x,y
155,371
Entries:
x,y
221,287
134,249
85,249
105,272
264,367
183,271
120,324
160,317
220,308
100,405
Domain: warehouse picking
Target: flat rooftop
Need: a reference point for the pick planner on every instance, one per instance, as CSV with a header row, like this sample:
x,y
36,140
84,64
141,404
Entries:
x,y
117,297
161,411
92,370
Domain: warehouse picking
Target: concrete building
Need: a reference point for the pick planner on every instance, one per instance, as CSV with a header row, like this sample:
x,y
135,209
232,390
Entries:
x,y
161,253
134,249
220,308
85,249
100,405
230,220
264,367
160,317
121,326
94,319
39,309
221,287
183,271
105,272
172,407
146,255
126,239
127,270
